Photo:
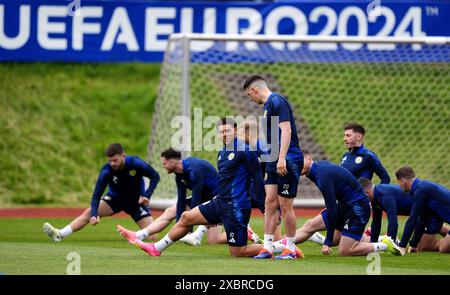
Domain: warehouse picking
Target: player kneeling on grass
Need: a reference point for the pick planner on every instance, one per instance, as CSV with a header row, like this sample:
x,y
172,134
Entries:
x,y
231,207
191,173
124,177
391,199
347,211
431,206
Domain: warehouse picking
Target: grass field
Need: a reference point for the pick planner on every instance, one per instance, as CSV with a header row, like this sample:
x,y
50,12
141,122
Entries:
x,y
25,249
57,119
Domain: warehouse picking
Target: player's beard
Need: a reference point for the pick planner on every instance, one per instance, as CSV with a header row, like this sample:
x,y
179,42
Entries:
x,y
118,167
350,145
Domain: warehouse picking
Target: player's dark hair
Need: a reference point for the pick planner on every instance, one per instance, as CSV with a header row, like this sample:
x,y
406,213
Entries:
x,y
252,79
405,172
355,127
114,149
227,121
171,153
306,152
365,183
249,125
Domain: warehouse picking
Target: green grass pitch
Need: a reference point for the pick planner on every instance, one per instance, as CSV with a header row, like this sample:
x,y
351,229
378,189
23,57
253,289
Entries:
x,y
25,249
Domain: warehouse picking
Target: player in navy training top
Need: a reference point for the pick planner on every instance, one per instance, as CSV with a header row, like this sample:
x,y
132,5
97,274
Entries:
x,y
283,164
193,174
359,160
126,192
430,200
249,132
347,211
391,199
238,167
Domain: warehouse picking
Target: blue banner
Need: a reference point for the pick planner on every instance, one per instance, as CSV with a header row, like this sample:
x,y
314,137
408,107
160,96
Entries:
x,y
123,31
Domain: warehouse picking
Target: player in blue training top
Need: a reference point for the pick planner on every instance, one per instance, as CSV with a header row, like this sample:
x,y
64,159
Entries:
x,y
359,160
347,211
391,199
193,174
430,201
126,192
237,168
248,132
283,164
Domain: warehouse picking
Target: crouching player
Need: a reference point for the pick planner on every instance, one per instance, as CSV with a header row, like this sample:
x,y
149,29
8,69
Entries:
x,y
391,199
124,177
237,167
431,205
347,211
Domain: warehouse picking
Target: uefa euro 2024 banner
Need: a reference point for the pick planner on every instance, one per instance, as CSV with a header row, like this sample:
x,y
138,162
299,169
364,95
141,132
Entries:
x,y
120,30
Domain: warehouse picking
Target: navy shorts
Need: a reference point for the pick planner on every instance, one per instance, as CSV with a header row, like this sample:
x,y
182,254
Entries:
x,y
234,220
352,220
287,184
135,210
433,224
255,201
258,204
206,196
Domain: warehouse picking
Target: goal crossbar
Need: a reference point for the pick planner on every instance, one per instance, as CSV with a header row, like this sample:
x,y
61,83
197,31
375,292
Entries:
x,y
428,40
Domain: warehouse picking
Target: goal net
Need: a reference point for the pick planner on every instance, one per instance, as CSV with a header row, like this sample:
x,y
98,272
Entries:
x,y
398,88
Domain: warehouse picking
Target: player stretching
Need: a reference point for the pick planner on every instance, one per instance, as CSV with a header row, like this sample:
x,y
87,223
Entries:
x,y
191,173
347,211
124,177
283,174
237,166
394,201
430,200
359,160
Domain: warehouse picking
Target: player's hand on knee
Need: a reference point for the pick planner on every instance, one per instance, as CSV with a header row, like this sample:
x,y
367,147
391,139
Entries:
x,y
413,250
281,166
143,200
94,220
326,250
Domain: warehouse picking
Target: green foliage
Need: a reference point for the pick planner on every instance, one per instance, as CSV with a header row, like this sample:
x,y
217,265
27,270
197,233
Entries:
x,y
57,119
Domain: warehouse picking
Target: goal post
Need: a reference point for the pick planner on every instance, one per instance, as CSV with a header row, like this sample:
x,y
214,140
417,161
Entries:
x,y
397,87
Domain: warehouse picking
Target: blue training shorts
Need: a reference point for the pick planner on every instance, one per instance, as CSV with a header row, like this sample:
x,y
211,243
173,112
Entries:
x,y
134,209
352,220
287,184
234,220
